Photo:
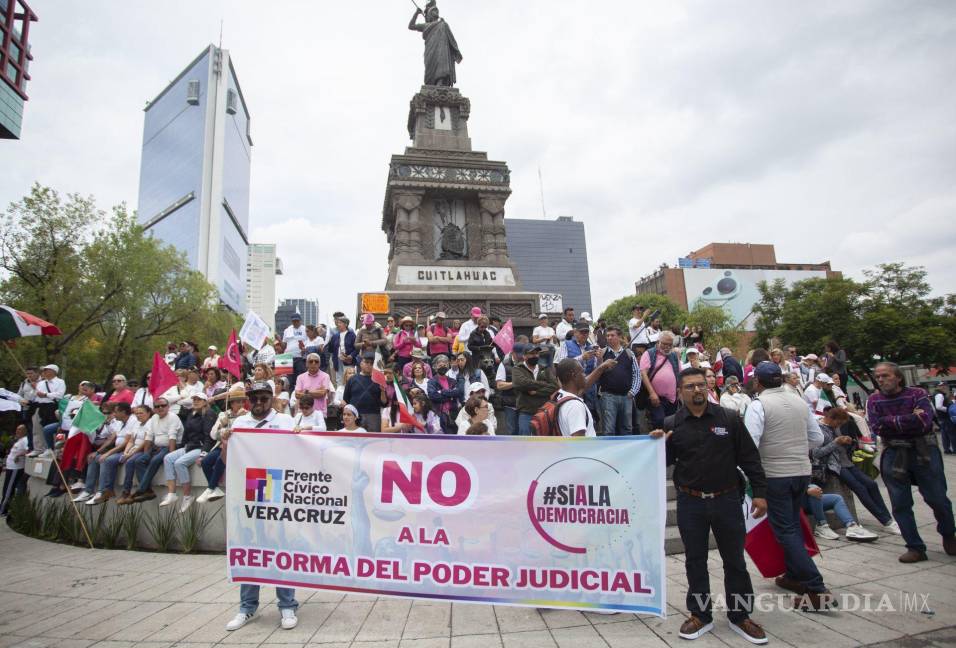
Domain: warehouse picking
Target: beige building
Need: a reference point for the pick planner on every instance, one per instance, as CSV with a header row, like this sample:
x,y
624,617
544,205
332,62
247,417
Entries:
x,y
262,266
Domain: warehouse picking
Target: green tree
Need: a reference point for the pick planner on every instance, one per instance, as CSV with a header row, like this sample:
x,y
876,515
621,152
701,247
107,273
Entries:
x,y
716,325
619,312
116,293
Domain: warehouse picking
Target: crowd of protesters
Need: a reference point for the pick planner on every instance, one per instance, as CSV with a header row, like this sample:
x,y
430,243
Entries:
x,y
792,427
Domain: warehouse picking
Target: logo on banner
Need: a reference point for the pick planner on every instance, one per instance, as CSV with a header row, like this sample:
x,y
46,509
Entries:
x,y
264,485
580,499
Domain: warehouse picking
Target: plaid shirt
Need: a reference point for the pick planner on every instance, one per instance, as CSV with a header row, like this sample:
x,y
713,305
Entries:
x,y
893,417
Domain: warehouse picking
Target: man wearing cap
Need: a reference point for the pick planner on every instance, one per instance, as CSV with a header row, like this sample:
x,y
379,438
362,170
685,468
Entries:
x,y
187,356
212,358
262,417
49,390
366,395
439,337
371,337
580,349
533,385
545,337
315,383
813,394
464,333
342,348
121,392
784,430
295,338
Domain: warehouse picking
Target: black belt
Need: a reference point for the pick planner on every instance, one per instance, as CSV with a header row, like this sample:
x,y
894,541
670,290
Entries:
x,y
703,495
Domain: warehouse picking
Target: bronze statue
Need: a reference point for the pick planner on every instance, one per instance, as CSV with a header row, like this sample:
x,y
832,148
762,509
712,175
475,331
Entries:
x,y
441,49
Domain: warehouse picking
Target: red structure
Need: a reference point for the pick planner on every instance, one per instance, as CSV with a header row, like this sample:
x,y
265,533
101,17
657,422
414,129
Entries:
x,y
15,19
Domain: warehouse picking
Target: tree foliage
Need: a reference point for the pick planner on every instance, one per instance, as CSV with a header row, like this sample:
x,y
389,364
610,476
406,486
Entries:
x,y
619,312
715,323
888,316
117,294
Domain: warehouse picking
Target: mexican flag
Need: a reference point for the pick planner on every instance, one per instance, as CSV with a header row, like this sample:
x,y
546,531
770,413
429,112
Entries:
x,y
15,323
405,410
762,546
378,370
89,418
283,364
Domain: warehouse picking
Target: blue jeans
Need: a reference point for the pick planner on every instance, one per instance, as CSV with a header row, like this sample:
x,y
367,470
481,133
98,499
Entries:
x,y
131,471
511,420
784,502
93,469
148,465
616,414
659,413
931,481
524,424
829,502
49,434
249,598
867,491
108,471
213,468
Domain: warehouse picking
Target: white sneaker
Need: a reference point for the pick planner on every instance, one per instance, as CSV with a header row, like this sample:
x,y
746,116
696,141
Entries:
x,y
96,499
893,528
858,534
204,496
289,620
46,454
824,531
169,499
78,485
187,501
238,621
217,494
82,497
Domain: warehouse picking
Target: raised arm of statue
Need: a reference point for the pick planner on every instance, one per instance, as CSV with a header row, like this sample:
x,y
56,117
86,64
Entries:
x,y
415,26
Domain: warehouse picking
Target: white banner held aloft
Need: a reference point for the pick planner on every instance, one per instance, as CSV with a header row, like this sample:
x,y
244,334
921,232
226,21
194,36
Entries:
x,y
254,331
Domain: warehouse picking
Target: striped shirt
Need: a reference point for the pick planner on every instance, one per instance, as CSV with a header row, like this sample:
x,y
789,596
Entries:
x,y
894,417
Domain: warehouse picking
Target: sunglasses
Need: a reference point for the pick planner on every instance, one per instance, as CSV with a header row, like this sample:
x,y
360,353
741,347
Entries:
x,y
161,405
312,362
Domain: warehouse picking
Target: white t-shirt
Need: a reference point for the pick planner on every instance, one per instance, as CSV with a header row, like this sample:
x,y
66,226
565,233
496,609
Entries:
x,y
125,431
315,421
564,327
139,431
463,423
273,421
635,326
543,334
165,429
359,430
292,336
15,458
466,330
574,416
142,397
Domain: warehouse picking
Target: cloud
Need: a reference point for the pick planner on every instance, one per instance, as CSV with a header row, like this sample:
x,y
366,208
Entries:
x,y
824,129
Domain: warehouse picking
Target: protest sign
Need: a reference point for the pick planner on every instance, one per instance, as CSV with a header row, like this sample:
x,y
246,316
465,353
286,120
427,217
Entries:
x,y
254,331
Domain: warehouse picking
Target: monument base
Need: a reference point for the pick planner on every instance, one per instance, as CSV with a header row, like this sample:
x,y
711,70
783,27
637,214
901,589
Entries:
x,y
519,307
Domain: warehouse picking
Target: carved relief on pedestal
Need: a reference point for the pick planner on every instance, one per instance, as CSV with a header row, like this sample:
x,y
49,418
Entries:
x,y
407,238
493,242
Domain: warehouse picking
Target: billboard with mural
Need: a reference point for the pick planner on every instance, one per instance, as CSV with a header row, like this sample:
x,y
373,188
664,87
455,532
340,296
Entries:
x,y
736,290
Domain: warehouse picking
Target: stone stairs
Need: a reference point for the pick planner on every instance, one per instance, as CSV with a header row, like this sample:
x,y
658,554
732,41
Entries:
x,y
672,542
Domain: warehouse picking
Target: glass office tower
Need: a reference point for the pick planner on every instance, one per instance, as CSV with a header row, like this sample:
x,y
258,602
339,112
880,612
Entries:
x,y
194,174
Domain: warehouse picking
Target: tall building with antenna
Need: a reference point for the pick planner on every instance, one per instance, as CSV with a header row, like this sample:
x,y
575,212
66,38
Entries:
x,y
194,173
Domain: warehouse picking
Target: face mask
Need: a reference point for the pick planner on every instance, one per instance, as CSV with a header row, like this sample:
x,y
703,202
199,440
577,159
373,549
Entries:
x,y
532,362
442,371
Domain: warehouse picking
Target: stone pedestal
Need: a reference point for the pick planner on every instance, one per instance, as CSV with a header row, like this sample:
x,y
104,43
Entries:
x,y
444,219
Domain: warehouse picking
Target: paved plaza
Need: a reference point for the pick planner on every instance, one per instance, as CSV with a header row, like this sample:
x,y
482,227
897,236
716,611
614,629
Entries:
x,y
67,597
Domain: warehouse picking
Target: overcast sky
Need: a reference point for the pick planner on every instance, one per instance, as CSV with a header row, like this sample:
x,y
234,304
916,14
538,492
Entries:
x,y
826,129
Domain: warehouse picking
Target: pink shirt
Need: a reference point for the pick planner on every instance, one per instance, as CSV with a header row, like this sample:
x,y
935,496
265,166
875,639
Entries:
x,y
307,382
122,396
664,382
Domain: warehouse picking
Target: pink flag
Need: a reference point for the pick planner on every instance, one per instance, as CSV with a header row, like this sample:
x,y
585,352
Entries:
x,y
506,338
231,360
162,378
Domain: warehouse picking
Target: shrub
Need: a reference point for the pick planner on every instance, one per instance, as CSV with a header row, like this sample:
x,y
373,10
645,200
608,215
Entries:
x,y
192,525
132,519
163,528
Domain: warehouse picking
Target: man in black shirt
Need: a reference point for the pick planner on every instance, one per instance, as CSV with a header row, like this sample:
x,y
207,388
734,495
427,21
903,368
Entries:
x,y
706,443
366,395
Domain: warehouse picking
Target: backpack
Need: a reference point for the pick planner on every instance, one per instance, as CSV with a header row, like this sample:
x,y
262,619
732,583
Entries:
x,y
545,420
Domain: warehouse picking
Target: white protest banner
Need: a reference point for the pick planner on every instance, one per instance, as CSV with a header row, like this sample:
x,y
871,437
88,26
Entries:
x,y
254,331
574,523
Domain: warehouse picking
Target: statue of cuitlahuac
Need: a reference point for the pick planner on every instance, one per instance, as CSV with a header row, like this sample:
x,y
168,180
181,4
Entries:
x,y
441,49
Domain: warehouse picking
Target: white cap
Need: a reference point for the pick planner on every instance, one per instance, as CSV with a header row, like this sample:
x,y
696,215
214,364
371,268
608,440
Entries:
x,y
51,367
283,396
825,379
586,316
810,356
212,348
476,386
201,396
691,350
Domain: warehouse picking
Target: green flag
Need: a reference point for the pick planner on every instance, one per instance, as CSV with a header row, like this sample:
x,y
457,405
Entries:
x,y
61,405
89,418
